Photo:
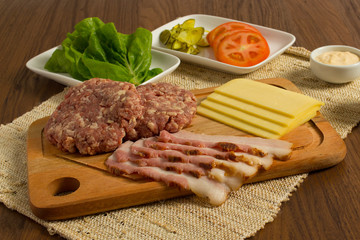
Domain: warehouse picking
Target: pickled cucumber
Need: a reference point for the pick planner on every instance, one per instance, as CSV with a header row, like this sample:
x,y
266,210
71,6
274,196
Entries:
x,y
165,36
185,37
188,24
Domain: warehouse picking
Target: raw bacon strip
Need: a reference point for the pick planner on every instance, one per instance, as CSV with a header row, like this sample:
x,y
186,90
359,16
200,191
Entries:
x,y
240,169
155,148
206,162
138,149
203,186
233,182
234,173
224,146
123,154
151,147
265,162
278,148
170,155
191,164
174,156
216,192
171,166
157,174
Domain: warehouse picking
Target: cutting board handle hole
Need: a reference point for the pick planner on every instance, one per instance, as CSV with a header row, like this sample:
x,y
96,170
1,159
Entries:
x,y
63,186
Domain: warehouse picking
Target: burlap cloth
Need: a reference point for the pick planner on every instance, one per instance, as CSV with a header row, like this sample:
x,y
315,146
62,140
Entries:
x,y
245,212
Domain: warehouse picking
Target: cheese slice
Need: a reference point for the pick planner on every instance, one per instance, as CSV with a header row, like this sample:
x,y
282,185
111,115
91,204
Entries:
x,y
268,97
236,123
303,118
250,108
243,116
258,108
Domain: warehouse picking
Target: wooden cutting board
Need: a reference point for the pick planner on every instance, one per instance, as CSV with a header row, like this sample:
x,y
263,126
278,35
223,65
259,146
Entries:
x,y
63,185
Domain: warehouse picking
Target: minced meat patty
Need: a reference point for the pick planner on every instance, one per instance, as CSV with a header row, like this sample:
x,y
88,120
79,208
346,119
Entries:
x,y
94,116
166,107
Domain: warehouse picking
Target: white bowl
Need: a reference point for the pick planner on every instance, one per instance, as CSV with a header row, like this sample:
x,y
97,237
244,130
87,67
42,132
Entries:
x,y
278,42
335,73
167,62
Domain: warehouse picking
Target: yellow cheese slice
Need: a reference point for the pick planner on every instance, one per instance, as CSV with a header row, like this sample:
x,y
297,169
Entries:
x,y
258,108
236,123
303,118
250,108
259,122
267,96
245,117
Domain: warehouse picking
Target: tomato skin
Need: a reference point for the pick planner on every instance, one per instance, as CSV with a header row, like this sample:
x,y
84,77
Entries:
x,y
227,27
243,49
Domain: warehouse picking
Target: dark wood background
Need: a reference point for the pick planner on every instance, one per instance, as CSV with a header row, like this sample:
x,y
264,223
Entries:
x,y
326,206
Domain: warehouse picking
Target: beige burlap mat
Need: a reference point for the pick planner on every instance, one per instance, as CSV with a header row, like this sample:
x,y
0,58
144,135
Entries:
x,y
245,212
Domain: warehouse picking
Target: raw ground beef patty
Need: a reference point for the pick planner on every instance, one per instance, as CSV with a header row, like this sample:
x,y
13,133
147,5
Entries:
x,y
166,107
94,116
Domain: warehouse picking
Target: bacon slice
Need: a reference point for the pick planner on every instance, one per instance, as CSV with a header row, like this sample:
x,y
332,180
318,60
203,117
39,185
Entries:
x,y
265,162
157,174
233,182
171,166
185,149
123,154
151,147
223,146
215,191
280,149
139,148
209,166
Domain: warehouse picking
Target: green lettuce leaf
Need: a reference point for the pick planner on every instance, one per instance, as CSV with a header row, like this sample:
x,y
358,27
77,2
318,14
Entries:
x,y
96,49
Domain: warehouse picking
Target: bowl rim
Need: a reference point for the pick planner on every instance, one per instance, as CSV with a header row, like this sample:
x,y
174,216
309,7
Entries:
x,y
322,49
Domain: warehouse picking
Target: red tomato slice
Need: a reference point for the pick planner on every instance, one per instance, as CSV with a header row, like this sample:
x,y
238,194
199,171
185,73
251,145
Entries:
x,y
220,37
226,27
243,49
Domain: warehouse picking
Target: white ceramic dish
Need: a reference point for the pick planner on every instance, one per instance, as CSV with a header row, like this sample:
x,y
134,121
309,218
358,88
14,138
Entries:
x,y
333,73
278,42
167,62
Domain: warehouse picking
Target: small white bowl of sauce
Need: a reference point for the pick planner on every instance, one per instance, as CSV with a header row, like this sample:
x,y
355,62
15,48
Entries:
x,y
336,63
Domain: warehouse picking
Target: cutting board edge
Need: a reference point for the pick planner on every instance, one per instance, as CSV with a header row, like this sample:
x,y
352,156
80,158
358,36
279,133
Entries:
x,y
325,161
66,211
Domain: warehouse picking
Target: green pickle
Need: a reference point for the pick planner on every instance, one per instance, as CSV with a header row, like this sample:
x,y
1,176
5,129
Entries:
x,y
165,36
184,37
190,23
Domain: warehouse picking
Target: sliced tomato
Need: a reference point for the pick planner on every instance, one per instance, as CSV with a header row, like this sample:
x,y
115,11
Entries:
x,y
243,48
220,37
227,27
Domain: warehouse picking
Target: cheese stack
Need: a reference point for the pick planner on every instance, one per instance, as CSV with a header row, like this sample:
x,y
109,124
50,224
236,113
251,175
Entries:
x,y
258,108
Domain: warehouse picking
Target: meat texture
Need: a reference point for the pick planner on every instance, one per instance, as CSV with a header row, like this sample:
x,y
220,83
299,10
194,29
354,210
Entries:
x,y
98,114
94,116
167,107
197,162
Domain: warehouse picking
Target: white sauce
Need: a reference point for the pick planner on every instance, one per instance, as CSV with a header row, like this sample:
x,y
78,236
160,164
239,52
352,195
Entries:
x,y
338,58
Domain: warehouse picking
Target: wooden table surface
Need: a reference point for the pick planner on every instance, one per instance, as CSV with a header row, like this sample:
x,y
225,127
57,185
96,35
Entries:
x,y
326,206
